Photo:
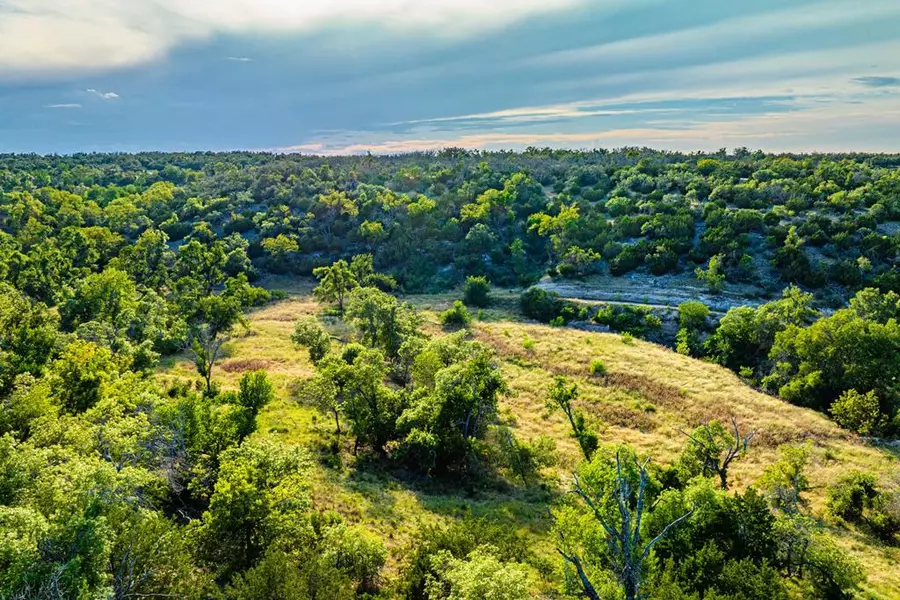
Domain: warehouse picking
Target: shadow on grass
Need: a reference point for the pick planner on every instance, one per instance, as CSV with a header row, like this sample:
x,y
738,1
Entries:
x,y
489,496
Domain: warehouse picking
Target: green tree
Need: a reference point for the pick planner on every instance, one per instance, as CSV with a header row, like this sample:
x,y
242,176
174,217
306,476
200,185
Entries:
x,y
110,297
525,459
458,316
477,292
28,332
479,575
785,480
561,396
711,450
261,489
858,412
713,276
217,318
616,498
79,375
335,283
382,321
256,391
310,333
279,251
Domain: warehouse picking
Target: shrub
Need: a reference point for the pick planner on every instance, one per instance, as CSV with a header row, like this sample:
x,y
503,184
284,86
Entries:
x,y
477,292
458,316
858,412
713,276
692,315
598,369
310,333
852,495
540,305
636,320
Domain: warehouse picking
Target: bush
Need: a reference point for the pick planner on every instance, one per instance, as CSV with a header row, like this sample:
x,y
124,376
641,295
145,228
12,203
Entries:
x,y
458,316
540,305
852,495
598,369
692,315
310,333
858,412
636,320
477,292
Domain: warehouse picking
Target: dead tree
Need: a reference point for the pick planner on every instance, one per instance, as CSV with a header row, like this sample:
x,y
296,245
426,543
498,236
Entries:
x,y
627,553
716,451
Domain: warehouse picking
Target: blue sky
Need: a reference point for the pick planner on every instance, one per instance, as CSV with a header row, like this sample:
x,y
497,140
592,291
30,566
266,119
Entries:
x,y
338,76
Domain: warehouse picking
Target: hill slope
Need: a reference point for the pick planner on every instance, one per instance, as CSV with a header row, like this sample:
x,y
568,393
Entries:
x,y
649,395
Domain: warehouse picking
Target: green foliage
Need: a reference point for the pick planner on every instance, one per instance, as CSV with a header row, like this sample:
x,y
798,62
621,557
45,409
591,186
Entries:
x,y
111,488
857,498
540,305
335,283
382,321
634,320
849,498
310,333
479,575
692,315
525,459
80,374
785,481
255,392
260,496
433,545
477,292
713,276
815,365
745,336
27,336
458,316
457,412
598,368
561,396
858,412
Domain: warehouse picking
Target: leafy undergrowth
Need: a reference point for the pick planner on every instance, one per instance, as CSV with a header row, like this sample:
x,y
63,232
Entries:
x,y
648,395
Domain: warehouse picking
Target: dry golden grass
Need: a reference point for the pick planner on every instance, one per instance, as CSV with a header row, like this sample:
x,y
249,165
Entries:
x,y
649,395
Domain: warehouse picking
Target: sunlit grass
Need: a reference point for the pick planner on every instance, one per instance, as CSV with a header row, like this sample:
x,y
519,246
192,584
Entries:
x,y
648,396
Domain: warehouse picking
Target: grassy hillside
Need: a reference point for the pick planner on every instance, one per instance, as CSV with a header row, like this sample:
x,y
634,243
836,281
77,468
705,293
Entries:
x,y
648,396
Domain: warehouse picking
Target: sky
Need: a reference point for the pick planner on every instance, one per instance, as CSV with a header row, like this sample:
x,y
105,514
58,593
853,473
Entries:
x,y
386,76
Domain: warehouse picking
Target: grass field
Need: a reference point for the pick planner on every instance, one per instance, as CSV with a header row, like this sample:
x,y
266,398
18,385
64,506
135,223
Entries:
x,y
649,395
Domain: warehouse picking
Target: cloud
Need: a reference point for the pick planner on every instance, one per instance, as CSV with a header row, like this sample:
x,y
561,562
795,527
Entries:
x,y
238,59
64,36
64,105
827,128
878,81
104,95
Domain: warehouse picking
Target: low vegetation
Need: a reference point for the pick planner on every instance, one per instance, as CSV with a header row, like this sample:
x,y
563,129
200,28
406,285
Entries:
x,y
183,415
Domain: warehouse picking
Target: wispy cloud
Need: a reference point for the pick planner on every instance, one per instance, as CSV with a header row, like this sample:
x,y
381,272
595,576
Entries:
x,y
64,105
104,95
878,81
824,129
396,75
40,36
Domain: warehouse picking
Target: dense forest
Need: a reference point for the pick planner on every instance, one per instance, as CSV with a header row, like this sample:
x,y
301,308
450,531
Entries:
x,y
123,475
